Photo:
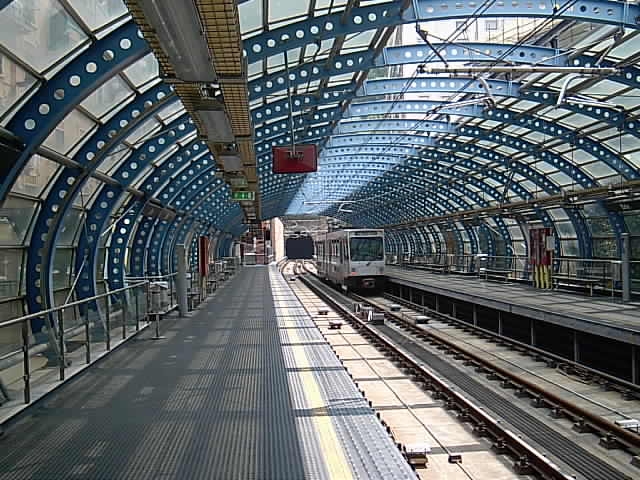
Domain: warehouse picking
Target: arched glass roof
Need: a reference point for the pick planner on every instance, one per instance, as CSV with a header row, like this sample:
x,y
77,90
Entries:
x,y
476,118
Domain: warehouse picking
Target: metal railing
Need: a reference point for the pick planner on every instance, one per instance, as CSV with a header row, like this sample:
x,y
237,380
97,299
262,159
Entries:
x,y
163,295
605,275
74,332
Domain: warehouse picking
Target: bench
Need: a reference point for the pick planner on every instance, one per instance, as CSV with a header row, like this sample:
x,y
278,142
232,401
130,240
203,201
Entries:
x,y
588,282
496,274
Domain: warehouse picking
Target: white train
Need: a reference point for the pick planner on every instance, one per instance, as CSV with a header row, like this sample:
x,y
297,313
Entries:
x,y
352,259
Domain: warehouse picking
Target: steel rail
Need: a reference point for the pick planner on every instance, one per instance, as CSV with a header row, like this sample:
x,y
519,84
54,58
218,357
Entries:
x,y
614,381
527,457
576,413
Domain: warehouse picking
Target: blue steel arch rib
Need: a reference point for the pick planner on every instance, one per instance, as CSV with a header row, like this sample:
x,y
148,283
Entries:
x,y
479,184
58,96
388,87
140,242
403,55
110,196
167,184
298,34
40,116
168,242
70,181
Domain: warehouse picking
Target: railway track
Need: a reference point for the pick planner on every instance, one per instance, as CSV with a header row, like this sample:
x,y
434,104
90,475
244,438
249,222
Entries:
x,y
421,354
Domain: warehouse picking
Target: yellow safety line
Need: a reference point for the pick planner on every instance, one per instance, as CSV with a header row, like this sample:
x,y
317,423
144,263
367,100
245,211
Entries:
x,y
330,446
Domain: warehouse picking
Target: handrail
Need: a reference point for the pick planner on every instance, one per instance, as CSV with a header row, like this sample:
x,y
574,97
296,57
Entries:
x,y
153,277
42,313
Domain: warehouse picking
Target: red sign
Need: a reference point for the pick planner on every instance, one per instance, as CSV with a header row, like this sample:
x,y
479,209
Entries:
x,y
298,159
203,256
540,246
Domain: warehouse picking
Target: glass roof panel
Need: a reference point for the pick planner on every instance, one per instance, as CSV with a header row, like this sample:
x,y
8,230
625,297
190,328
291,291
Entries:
x,y
39,32
143,131
250,15
98,13
170,111
110,94
285,9
358,40
114,158
143,70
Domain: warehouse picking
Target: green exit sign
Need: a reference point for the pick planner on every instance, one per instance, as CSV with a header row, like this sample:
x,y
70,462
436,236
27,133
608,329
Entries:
x,y
244,195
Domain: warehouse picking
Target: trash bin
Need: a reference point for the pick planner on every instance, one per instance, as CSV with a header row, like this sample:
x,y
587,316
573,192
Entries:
x,y
159,292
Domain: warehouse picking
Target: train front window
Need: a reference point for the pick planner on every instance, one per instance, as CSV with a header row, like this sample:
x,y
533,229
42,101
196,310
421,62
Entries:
x,y
366,249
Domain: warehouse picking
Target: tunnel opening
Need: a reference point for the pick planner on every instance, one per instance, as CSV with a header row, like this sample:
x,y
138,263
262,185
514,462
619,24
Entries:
x,y
298,248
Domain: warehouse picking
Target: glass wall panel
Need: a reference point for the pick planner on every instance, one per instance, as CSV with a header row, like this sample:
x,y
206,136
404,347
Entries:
x,y
86,195
15,218
62,267
36,175
11,337
569,248
114,158
605,248
69,227
565,229
632,219
74,127
10,271
39,31
14,82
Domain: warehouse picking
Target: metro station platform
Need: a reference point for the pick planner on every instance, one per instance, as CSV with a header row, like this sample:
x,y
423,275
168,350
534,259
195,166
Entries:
x,y
246,388
602,316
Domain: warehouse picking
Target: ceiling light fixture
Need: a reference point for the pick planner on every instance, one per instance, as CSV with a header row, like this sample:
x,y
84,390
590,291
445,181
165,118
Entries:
x,y
217,125
177,26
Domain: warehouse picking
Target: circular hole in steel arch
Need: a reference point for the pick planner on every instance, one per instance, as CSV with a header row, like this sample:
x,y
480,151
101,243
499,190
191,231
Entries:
x,y
108,55
30,124
59,94
125,44
91,67
44,109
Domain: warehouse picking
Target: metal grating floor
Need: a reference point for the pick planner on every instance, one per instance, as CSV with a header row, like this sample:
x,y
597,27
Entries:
x,y
222,397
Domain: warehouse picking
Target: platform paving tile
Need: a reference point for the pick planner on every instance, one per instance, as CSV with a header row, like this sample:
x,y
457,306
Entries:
x,y
367,447
216,399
